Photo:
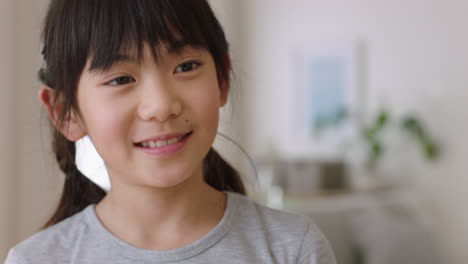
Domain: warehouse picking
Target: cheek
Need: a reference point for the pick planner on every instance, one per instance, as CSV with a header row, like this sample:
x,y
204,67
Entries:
x,y
109,124
206,107
205,99
105,124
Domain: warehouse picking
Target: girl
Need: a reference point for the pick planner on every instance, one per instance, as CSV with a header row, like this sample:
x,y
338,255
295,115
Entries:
x,y
143,80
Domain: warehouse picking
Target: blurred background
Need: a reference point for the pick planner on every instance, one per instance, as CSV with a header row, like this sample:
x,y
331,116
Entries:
x,y
352,111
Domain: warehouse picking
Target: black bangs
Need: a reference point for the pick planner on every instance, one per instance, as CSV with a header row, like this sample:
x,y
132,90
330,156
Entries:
x,y
105,31
122,28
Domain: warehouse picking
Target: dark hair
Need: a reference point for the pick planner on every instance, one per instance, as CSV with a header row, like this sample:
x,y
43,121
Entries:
x,y
77,30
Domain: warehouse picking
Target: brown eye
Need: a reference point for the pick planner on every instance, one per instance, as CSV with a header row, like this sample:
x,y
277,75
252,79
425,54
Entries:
x,y
187,66
121,80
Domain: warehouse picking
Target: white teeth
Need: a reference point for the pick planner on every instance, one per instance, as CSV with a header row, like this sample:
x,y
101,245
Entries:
x,y
172,141
160,143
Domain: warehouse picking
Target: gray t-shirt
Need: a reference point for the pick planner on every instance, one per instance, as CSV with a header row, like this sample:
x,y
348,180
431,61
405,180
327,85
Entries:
x,y
247,233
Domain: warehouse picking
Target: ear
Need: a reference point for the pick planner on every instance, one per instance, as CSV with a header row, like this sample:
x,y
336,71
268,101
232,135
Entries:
x,y
224,91
72,127
225,85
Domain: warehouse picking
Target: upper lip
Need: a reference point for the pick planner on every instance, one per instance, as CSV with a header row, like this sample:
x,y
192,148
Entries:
x,y
164,137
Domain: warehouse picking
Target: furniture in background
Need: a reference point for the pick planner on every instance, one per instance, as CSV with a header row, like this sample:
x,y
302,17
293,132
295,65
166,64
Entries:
x,y
374,227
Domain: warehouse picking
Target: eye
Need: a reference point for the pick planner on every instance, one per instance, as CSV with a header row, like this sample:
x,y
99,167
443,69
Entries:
x,y
187,66
122,80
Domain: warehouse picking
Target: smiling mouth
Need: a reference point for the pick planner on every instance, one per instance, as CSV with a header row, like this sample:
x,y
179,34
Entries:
x,y
162,143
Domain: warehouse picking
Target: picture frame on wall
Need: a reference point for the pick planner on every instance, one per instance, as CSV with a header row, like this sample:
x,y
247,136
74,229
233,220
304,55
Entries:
x,y
327,98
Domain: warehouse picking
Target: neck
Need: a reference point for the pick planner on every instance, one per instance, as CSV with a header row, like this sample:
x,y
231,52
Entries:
x,y
162,218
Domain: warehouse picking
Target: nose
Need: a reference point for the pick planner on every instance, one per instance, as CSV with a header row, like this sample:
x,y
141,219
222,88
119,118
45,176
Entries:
x,y
159,101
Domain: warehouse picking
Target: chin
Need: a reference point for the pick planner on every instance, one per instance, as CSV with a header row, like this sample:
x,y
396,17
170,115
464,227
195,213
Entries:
x,y
169,182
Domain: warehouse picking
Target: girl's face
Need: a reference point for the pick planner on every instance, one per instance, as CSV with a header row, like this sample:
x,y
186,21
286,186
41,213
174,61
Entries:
x,y
153,123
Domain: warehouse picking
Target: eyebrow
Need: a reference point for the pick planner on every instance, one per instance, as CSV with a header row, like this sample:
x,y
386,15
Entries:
x,y
177,48
100,66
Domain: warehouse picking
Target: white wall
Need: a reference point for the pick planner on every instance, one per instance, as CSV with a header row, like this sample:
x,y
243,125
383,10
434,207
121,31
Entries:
x,y
233,115
29,187
417,59
5,132
38,185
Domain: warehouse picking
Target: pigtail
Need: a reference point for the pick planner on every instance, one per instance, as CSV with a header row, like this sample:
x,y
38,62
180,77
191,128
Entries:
x,y
78,191
221,175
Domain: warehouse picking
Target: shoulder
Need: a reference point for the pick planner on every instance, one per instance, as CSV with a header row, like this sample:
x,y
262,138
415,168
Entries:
x,y
288,231
49,242
251,213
